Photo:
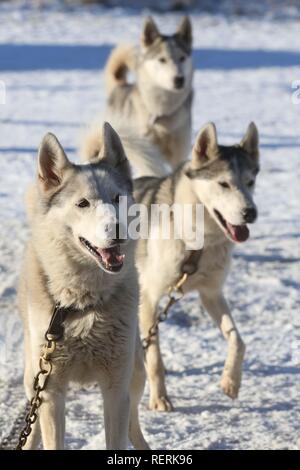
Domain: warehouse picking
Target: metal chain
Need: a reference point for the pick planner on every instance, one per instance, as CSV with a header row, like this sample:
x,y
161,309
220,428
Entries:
x,y
39,384
175,293
53,334
11,440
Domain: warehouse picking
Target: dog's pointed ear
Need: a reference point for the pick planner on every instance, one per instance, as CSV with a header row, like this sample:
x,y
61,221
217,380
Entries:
x,y
52,162
206,145
150,32
184,32
112,150
250,141
204,150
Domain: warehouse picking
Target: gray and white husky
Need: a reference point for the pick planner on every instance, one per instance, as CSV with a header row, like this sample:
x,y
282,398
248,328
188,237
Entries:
x,y
72,258
158,104
222,179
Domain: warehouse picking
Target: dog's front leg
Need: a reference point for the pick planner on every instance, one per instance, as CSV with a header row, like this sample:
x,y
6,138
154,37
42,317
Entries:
x,y
34,438
50,424
52,417
136,392
159,399
116,417
216,306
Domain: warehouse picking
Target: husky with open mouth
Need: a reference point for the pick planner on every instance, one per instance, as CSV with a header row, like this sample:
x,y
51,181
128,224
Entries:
x,y
76,258
222,179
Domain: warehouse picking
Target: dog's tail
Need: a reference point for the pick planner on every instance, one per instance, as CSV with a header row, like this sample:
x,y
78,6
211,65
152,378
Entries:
x,y
145,157
121,60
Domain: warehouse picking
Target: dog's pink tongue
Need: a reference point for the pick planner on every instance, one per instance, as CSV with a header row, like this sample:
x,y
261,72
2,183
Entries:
x,y
112,256
239,233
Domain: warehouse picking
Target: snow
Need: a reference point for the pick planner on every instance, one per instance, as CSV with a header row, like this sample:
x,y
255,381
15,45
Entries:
x,y
51,62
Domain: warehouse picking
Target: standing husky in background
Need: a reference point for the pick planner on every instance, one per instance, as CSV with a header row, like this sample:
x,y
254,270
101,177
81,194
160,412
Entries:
x,y
158,105
75,257
221,178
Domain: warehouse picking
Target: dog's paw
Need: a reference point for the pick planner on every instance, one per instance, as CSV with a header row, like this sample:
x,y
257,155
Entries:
x,y
160,404
230,386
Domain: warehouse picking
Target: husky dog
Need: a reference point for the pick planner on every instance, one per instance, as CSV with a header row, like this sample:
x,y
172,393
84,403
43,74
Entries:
x,y
73,258
144,156
158,105
222,179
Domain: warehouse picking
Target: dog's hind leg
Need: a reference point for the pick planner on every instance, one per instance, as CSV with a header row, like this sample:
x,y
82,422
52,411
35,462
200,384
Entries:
x,y
216,305
159,399
136,392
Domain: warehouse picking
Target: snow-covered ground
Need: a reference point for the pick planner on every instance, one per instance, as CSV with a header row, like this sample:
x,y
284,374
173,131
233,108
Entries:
x,y
52,67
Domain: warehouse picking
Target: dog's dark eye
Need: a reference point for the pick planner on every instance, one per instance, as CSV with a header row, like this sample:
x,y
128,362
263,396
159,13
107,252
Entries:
x,y
250,184
117,199
83,203
182,58
224,184
162,60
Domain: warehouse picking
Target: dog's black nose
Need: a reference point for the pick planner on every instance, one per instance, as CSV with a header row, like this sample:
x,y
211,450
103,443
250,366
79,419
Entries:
x,y
250,214
179,81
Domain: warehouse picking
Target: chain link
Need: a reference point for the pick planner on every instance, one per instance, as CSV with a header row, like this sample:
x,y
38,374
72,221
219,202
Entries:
x,y
11,440
39,384
15,439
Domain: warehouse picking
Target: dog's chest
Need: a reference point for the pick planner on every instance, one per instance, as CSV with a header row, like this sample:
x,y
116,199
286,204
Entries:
x,y
95,340
213,266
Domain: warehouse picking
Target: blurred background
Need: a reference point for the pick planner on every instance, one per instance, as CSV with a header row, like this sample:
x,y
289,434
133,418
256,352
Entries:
x,y
233,7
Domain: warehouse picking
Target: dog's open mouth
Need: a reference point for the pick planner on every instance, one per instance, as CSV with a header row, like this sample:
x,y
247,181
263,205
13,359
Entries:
x,y
110,259
237,233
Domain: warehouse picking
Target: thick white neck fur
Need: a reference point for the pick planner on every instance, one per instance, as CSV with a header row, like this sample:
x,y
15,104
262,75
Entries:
x,y
159,101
